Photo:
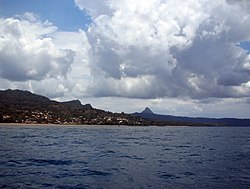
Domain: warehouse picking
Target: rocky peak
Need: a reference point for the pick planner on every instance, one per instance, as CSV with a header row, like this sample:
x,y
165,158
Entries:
x,y
147,111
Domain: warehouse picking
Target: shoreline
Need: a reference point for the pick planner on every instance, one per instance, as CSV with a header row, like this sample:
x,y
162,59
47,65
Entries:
x,y
77,125
38,124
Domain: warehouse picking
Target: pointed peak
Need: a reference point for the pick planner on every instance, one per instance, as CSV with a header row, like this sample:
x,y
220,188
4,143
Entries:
x,y
147,111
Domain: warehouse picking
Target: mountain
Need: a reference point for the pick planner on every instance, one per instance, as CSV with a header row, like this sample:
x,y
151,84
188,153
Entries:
x,y
147,111
17,106
148,114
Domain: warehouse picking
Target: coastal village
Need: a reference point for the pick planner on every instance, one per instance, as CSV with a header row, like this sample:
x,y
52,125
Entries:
x,y
24,107
47,117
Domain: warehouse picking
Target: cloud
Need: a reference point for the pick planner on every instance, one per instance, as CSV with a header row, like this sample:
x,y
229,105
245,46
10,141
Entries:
x,y
94,8
27,54
244,4
35,56
168,48
177,57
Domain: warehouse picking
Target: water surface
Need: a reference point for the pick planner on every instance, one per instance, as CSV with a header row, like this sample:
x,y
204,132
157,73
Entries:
x,y
124,157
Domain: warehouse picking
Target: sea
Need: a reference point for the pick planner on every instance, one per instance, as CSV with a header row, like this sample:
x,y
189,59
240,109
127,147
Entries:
x,y
124,157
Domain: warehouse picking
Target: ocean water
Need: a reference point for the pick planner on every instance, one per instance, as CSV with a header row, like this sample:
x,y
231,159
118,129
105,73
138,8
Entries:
x,y
124,157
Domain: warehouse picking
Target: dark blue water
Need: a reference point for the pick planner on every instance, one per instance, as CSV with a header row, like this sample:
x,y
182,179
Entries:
x,y
124,157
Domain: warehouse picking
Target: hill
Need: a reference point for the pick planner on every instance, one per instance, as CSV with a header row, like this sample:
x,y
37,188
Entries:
x,y
148,114
17,106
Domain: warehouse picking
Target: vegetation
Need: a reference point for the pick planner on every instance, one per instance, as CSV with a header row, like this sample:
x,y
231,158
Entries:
x,y
17,106
24,107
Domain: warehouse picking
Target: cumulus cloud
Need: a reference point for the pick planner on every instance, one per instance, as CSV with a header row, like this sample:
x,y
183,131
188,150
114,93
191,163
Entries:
x,y
27,54
165,48
182,54
35,56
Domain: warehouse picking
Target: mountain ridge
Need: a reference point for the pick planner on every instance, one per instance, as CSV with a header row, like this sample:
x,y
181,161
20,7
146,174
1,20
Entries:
x,y
203,120
17,106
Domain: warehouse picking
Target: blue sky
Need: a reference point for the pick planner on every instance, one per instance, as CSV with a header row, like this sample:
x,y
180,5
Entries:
x,y
245,45
62,13
189,58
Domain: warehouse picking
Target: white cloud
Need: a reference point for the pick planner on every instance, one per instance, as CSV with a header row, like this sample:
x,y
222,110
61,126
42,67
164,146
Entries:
x,y
35,56
25,55
171,55
94,8
166,48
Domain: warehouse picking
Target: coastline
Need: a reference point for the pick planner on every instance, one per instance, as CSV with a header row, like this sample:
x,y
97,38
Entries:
x,y
33,124
60,125
77,125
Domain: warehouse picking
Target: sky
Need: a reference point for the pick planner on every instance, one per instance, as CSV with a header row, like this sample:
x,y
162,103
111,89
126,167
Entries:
x,y
187,58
